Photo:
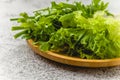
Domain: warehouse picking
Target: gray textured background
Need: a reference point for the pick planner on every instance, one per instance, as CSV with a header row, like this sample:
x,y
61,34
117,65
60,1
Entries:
x,y
18,62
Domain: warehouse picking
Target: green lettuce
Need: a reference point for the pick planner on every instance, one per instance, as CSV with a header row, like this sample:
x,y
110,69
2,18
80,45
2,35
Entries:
x,y
84,31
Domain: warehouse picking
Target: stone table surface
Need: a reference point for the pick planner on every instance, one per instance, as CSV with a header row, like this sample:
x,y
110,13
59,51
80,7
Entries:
x,y
18,61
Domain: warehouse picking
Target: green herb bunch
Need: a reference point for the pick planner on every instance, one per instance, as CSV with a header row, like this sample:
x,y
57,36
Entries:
x,y
85,31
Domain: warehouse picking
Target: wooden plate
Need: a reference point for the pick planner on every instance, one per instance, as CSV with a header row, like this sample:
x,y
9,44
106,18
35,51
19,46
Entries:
x,y
73,60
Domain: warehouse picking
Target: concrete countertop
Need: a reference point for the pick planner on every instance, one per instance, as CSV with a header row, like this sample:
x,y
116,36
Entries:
x,y
18,61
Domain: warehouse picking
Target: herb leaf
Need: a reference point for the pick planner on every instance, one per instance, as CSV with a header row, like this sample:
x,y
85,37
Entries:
x,y
85,31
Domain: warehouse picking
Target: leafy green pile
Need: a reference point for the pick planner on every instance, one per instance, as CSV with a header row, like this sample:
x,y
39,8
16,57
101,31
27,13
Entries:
x,y
85,31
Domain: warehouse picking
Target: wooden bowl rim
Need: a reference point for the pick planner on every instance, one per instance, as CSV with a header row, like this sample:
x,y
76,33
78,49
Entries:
x,y
110,62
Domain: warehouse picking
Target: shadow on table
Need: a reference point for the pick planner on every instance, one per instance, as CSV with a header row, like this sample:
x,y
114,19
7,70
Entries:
x,y
96,72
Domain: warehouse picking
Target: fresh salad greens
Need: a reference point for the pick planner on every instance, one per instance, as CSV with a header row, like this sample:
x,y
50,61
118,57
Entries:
x,y
85,31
